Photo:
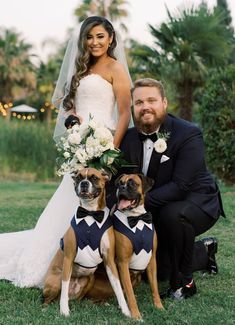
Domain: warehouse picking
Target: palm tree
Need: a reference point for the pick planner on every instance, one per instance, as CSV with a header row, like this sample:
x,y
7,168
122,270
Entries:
x,y
143,61
223,9
185,48
111,9
222,5
16,68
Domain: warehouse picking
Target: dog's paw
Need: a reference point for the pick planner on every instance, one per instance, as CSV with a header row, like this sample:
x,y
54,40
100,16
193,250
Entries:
x,y
158,305
126,311
64,311
137,316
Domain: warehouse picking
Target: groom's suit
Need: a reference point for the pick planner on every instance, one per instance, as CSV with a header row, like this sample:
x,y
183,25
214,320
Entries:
x,y
180,172
185,200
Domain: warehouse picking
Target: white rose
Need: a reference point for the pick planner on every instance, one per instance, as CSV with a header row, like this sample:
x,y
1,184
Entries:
x,y
66,146
81,156
93,147
91,142
103,133
94,124
83,129
75,168
90,152
75,127
66,154
160,145
74,138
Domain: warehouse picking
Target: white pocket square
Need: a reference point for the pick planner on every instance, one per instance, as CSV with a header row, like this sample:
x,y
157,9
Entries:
x,y
164,158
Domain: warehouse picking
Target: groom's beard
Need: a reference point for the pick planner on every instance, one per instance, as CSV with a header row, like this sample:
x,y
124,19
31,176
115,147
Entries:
x,y
151,126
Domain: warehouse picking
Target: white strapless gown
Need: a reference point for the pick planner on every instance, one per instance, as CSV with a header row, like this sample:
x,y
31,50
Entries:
x,y
25,255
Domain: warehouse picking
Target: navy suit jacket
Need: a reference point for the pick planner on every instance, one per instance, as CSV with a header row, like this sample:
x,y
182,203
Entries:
x,y
184,175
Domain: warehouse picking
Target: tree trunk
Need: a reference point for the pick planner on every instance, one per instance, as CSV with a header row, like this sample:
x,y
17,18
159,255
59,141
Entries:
x,y
7,97
185,99
48,115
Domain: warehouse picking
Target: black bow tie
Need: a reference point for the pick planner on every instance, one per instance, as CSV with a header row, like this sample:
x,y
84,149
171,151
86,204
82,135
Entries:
x,y
97,215
146,217
144,137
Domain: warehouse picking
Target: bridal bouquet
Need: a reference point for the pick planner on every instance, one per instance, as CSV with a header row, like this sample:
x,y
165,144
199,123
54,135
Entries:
x,y
88,145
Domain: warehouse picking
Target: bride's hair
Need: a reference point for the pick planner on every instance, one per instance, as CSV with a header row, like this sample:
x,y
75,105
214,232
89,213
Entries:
x,y
83,59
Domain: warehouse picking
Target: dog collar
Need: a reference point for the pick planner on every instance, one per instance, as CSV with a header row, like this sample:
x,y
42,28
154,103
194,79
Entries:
x,y
140,224
90,220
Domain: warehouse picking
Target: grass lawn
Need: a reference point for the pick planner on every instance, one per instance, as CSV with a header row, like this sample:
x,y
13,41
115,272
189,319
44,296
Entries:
x,y
20,206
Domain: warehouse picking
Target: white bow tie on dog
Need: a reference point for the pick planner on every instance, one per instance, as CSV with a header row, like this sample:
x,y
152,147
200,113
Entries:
x,y
164,158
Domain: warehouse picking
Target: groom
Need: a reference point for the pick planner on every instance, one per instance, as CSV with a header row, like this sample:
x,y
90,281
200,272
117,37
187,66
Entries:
x,y
185,200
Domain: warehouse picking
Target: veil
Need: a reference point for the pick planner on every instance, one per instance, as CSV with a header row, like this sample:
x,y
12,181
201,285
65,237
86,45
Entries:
x,y
65,77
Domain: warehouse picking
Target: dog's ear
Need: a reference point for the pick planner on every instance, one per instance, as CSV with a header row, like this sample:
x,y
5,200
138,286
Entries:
x,y
107,175
147,182
74,175
118,179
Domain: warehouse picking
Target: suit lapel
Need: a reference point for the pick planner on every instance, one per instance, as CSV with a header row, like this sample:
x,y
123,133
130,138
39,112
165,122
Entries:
x,y
154,164
136,152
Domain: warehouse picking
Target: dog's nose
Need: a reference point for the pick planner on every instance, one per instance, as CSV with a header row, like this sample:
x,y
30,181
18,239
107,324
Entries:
x,y
122,186
84,184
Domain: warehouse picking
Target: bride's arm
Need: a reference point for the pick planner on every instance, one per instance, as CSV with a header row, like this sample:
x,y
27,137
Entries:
x,y
122,91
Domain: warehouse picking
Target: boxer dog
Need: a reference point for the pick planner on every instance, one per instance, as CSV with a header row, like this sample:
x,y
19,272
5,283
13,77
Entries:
x,y
135,237
88,241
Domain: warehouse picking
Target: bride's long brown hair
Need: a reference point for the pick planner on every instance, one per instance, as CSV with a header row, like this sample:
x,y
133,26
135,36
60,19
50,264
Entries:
x,y
83,60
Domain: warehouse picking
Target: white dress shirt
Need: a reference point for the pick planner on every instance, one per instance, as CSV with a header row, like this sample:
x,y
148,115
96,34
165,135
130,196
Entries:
x,y
147,153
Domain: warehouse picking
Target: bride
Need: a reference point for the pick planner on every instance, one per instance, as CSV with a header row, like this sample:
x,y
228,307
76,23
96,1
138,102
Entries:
x,y
93,80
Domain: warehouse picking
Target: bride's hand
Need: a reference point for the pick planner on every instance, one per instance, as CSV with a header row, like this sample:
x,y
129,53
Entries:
x,y
79,117
71,120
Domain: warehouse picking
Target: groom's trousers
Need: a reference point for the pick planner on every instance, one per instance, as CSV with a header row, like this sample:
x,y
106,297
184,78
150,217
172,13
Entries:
x,y
178,255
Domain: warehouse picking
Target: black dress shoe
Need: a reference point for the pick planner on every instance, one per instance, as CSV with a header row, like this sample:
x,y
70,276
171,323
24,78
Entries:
x,y
182,293
211,246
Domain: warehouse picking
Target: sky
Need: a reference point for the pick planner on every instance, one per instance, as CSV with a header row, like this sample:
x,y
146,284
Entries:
x,y
38,20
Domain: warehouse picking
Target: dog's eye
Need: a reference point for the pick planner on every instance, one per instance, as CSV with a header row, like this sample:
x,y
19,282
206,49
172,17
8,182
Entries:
x,y
132,183
94,178
79,176
120,183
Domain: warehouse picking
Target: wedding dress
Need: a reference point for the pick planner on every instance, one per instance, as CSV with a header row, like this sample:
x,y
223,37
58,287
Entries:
x,y
25,255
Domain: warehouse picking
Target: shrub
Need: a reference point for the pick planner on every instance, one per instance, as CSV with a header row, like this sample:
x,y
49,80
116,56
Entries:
x,y
217,114
27,148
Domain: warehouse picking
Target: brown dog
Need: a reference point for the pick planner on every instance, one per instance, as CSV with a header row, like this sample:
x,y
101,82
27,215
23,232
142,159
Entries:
x,y
89,241
135,237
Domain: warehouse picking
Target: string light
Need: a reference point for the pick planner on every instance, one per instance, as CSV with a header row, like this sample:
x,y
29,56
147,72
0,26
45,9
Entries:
x,y
3,110
5,106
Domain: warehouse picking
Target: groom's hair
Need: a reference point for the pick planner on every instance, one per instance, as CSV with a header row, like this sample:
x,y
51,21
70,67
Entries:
x,y
149,82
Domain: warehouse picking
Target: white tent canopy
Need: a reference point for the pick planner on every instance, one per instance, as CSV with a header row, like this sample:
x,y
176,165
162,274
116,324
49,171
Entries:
x,y
23,109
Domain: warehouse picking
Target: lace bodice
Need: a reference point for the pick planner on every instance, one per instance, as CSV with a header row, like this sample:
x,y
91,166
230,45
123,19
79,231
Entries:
x,y
95,96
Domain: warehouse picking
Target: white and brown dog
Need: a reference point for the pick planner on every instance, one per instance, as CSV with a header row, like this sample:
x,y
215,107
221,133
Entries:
x,y
135,237
88,241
